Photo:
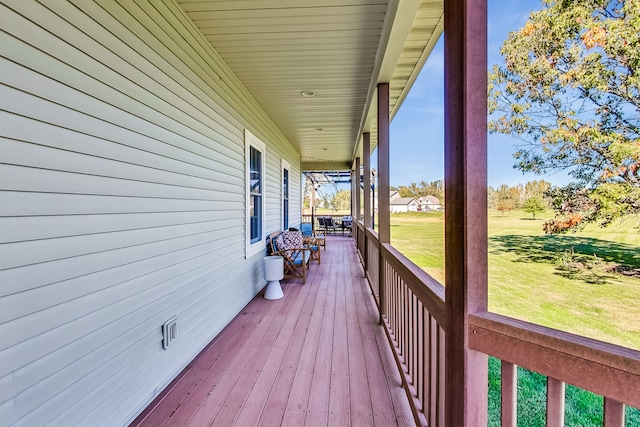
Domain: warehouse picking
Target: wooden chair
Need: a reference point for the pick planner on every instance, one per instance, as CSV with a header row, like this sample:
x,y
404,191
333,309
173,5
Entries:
x,y
320,238
313,238
289,245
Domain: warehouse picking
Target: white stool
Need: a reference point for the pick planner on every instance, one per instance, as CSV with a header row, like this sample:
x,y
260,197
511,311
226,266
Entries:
x,y
273,272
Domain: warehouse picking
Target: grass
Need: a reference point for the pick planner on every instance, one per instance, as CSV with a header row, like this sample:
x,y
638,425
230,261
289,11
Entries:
x,y
586,283
582,408
567,282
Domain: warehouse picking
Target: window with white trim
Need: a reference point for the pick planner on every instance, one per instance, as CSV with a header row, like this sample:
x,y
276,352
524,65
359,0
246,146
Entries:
x,y
255,175
286,167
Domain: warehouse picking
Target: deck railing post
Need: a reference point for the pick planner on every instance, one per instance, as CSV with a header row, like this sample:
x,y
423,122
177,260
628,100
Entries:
x,y
384,233
613,413
366,155
555,402
465,206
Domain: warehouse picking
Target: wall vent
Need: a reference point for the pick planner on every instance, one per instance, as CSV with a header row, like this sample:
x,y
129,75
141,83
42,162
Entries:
x,y
169,332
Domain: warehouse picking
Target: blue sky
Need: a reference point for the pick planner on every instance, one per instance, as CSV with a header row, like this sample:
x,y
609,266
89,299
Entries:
x,y
417,130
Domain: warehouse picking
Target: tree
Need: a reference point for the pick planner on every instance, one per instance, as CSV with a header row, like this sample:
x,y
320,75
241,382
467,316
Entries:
x,y
342,200
536,189
569,91
505,205
491,197
415,191
505,198
534,205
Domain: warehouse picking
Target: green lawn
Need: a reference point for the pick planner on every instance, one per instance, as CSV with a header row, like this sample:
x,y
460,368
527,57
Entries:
x,y
586,283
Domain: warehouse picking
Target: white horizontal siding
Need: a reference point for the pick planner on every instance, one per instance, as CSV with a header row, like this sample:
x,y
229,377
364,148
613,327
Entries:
x,y
121,204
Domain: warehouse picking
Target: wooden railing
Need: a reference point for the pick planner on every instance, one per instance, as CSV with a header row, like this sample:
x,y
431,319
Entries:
x,y
307,218
373,262
604,369
414,316
359,236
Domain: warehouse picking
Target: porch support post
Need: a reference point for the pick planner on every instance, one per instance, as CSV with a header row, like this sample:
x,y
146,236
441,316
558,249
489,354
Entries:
x,y
354,218
356,203
366,154
384,220
352,177
383,163
465,206
312,203
358,208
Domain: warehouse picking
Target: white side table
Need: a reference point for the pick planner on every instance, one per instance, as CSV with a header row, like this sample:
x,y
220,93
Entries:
x,y
273,272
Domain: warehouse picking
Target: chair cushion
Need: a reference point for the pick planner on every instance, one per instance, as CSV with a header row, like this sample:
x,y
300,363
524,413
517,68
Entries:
x,y
299,255
306,229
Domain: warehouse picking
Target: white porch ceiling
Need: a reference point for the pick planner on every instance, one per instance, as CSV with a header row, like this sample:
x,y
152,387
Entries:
x,y
339,49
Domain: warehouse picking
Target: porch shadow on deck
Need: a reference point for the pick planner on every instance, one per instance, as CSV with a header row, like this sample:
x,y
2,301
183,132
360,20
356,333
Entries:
x,y
315,357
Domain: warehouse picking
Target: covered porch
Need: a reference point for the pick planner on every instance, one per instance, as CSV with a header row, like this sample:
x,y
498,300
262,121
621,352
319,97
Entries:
x,y
318,356
151,146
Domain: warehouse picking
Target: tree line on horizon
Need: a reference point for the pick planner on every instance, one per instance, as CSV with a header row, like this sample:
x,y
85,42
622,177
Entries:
x,y
533,197
422,189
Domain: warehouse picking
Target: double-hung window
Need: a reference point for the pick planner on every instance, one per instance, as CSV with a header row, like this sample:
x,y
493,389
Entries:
x,y
285,194
255,154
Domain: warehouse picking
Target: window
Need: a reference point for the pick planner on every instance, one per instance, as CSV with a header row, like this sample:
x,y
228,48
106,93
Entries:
x,y
285,194
255,177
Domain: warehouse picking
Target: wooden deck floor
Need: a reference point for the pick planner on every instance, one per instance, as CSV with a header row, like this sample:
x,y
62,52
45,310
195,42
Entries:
x,y
316,357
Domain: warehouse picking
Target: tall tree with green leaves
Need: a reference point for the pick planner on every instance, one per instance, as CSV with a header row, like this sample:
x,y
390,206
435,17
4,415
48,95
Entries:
x,y
569,90
505,198
534,205
342,200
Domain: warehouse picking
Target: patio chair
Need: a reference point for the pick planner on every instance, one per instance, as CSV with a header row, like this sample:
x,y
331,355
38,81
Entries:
x,y
311,239
327,224
347,222
319,235
307,229
289,245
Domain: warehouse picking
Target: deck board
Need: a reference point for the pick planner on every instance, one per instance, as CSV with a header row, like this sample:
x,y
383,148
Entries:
x,y
315,357
339,396
275,405
298,399
316,411
361,395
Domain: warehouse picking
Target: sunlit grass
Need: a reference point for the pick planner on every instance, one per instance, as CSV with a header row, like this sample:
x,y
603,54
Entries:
x,y
562,281
567,282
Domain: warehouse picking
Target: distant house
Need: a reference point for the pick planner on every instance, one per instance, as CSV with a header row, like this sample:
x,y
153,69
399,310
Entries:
x,y
394,195
403,204
430,203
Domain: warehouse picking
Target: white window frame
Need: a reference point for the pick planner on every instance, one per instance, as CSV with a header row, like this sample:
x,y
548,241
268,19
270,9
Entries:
x,y
250,140
287,166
